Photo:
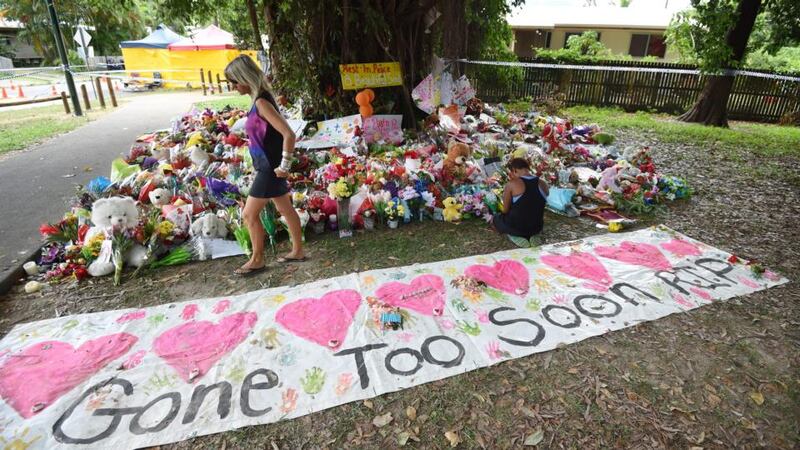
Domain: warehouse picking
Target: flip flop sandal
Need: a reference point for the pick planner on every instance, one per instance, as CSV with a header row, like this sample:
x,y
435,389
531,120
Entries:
x,y
245,273
284,259
519,241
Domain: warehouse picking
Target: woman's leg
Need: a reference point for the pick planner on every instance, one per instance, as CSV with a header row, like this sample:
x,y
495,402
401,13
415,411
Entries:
x,y
251,217
284,206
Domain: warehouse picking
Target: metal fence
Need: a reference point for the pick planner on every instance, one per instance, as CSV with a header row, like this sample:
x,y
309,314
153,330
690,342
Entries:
x,y
633,85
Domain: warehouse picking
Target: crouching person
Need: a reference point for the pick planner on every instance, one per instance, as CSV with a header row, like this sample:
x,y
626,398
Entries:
x,y
524,199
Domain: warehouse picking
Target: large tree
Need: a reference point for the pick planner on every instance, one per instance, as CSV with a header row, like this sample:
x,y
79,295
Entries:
x,y
721,32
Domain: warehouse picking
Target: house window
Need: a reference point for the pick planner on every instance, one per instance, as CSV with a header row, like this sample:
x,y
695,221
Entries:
x,y
647,45
5,40
569,34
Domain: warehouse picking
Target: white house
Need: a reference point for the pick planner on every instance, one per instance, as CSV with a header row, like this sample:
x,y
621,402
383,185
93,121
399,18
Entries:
x,y
636,31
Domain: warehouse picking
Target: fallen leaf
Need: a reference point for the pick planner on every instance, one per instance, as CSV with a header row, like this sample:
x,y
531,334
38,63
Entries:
x,y
453,437
368,404
402,438
600,350
757,397
713,400
528,412
572,370
87,169
381,421
411,412
535,438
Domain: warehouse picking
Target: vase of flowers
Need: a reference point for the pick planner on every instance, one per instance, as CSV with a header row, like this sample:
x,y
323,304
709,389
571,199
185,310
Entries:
x,y
369,221
393,211
341,190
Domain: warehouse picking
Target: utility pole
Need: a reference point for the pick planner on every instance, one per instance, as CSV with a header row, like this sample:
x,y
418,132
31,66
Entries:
x,y
73,93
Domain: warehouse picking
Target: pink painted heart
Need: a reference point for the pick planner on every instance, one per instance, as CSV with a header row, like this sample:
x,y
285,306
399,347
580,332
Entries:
x,y
636,253
580,265
193,348
679,247
34,379
325,320
425,294
507,275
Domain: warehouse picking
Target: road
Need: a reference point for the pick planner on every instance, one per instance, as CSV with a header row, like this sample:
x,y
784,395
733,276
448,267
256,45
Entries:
x,y
36,184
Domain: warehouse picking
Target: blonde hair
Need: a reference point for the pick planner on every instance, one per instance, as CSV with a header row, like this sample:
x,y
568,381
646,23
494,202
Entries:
x,y
243,70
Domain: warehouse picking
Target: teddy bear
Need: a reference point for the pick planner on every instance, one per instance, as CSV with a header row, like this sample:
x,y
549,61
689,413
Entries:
x,y
159,197
454,166
209,226
198,156
108,214
452,210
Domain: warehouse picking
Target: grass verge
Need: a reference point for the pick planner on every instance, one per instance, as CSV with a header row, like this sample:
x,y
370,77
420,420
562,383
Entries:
x,y
236,101
21,128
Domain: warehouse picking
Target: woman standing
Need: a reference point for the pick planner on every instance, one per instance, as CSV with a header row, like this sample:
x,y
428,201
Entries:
x,y
271,147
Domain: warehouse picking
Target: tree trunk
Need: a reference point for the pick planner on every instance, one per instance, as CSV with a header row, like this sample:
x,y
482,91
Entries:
x,y
454,32
251,10
711,108
270,19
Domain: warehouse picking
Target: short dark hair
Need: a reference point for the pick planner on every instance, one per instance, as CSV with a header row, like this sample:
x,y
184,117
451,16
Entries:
x,y
518,164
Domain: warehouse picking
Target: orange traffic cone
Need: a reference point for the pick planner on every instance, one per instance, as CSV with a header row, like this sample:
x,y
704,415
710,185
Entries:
x,y
20,94
53,90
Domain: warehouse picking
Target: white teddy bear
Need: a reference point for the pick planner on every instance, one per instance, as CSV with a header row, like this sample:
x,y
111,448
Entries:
x,y
210,226
160,197
107,214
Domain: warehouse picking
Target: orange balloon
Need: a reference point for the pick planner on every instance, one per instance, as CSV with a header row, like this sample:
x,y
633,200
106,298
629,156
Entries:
x,y
362,99
371,94
366,111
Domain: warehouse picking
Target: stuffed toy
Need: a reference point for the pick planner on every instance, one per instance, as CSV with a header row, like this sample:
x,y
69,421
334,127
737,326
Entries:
x,y
608,180
159,197
209,226
108,214
474,107
198,156
454,166
452,210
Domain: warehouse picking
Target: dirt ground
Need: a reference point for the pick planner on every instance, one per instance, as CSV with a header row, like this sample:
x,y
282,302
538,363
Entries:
x,y
723,376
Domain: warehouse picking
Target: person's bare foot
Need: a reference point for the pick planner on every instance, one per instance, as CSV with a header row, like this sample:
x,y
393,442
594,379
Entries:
x,y
293,257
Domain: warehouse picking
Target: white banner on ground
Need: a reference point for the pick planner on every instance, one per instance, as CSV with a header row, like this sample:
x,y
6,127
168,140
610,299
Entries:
x,y
142,377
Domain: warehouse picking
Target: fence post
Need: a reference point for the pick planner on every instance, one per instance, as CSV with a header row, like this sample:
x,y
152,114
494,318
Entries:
x,y
203,80
85,95
66,103
219,84
210,83
99,88
111,92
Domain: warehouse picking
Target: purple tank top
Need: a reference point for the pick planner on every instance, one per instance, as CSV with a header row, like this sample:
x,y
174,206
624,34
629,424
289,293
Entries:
x,y
266,143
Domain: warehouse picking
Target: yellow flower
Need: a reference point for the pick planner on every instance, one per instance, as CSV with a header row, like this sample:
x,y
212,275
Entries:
x,y
401,211
165,228
474,297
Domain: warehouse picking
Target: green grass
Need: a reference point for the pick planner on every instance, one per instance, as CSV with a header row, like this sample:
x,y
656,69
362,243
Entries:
x,y
237,101
761,139
20,129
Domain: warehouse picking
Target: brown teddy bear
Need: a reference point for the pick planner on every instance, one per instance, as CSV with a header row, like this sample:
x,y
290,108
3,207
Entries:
x,y
455,164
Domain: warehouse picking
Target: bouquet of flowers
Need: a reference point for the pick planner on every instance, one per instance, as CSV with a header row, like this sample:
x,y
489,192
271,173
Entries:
x,y
64,231
394,210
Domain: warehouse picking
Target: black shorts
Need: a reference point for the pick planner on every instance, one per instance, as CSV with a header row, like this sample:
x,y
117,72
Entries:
x,y
502,225
267,185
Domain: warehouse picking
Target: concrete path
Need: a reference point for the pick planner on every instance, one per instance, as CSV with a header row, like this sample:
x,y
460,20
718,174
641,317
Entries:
x,y
36,184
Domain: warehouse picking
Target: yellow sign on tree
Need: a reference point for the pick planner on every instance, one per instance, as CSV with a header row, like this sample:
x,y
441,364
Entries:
x,y
357,76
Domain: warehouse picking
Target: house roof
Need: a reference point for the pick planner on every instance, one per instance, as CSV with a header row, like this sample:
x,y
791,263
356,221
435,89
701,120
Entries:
x,y
9,24
532,16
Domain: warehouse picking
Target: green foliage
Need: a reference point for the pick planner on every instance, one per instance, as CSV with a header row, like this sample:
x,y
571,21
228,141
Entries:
x,y
113,20
579,48
698,35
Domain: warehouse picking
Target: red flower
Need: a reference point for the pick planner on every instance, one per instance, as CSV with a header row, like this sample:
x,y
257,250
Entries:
x,y
46,229
80,272
733,259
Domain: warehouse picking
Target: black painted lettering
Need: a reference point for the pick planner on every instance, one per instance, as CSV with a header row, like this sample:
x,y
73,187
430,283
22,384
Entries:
x,y
115,413
618,288
360,365
402,351
596,310
426,351
175,399
718,267
199,394
531,343
248,385
548,313
687,276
